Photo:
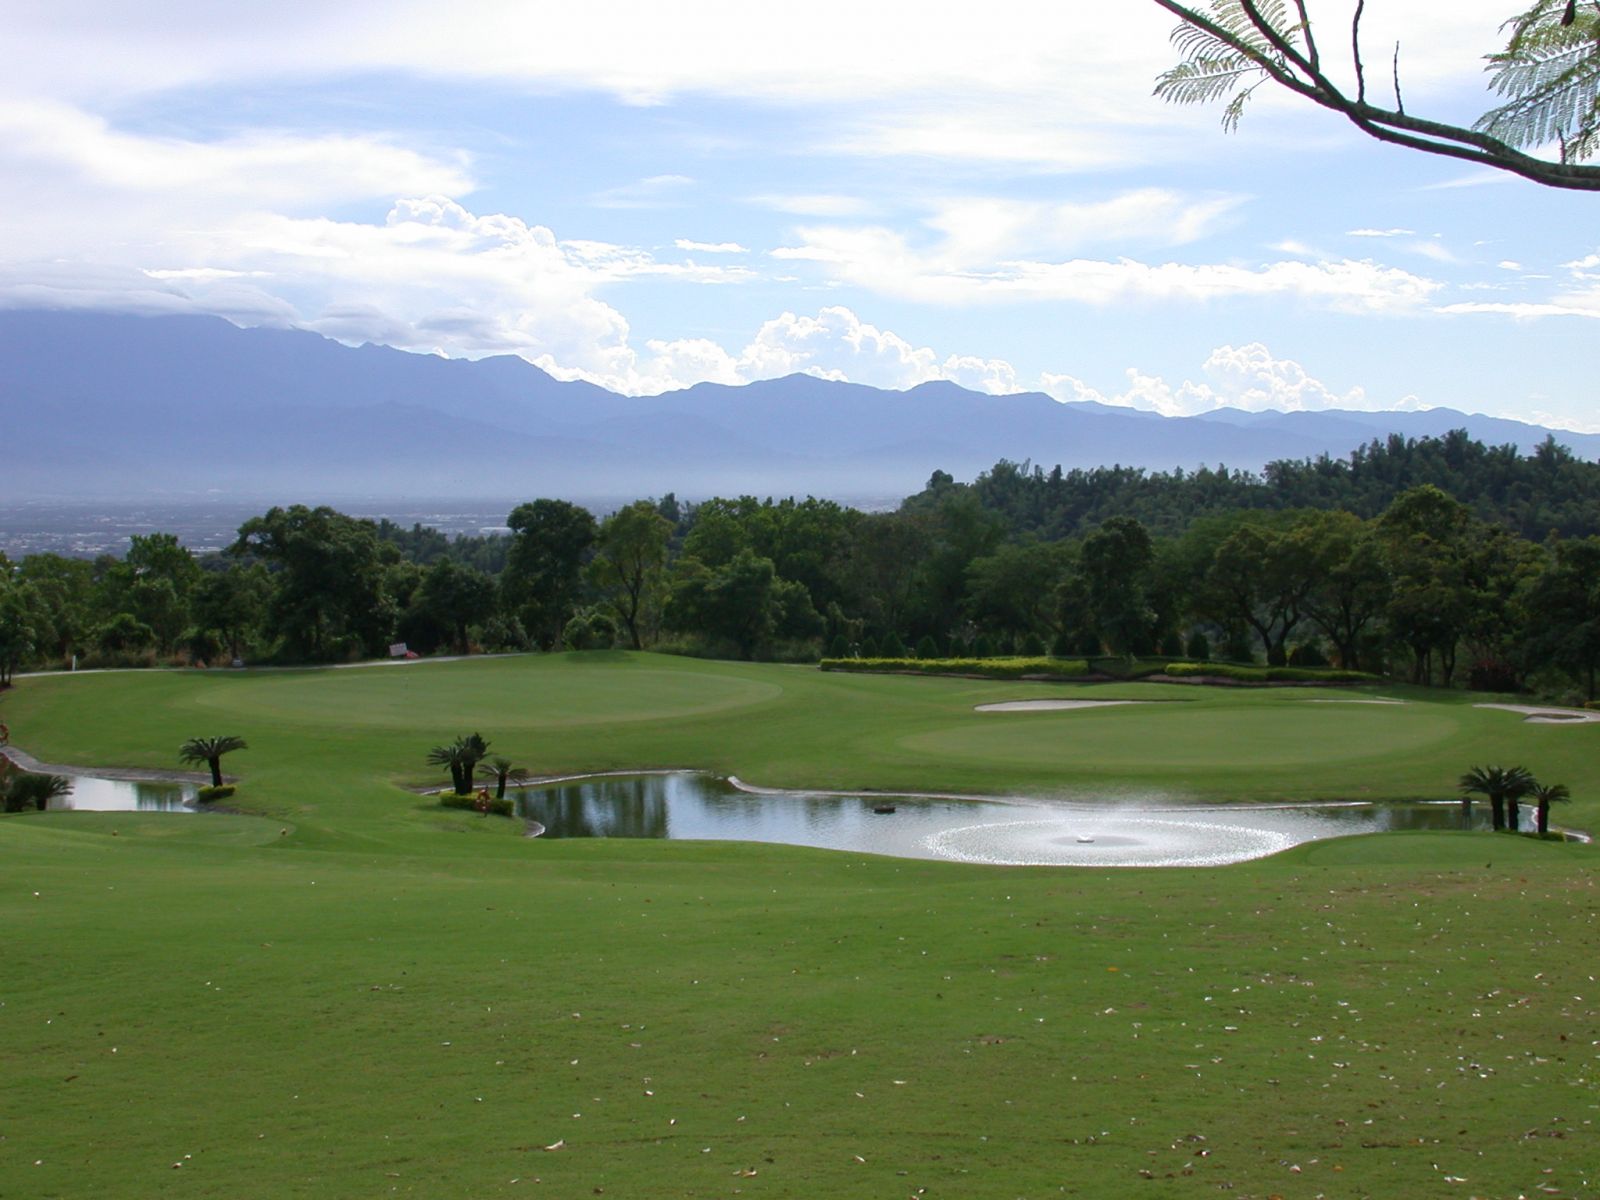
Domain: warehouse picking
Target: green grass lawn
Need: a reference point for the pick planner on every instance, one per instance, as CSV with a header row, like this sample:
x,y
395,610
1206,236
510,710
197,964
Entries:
x,y
358,993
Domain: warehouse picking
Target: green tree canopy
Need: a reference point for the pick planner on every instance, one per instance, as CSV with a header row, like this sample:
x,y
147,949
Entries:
x,y
629,567
330,599
542,581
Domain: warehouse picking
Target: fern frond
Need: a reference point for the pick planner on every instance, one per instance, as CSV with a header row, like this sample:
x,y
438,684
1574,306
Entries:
x,y
1214,67
1235,109
1203,80
1552,73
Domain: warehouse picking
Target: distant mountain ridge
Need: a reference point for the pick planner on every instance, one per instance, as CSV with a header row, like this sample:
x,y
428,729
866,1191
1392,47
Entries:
x,y
102,404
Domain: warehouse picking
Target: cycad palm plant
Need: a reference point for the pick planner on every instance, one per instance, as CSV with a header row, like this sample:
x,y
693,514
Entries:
x,y
500,769
209,750
1499,785
1544,795
462,757
19,789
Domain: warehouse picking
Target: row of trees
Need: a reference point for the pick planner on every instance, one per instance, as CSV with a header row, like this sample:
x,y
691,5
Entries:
x,y
1534,495
1427,586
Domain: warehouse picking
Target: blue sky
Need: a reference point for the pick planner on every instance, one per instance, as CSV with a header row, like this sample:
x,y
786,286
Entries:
x,y
652,195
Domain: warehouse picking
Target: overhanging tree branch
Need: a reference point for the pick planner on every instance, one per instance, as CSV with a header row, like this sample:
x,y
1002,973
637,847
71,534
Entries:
x,y
1551,68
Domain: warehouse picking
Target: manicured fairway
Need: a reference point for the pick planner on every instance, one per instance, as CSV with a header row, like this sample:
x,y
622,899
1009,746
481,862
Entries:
x,y
364,995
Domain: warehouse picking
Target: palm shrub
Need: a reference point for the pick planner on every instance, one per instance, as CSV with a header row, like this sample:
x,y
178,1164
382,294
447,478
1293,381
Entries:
x,y
1544,795
462,757
209,750
500,769
1499,785
20,790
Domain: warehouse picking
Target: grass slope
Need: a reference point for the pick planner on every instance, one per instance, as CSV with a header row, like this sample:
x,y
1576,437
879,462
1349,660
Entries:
x,y
364,994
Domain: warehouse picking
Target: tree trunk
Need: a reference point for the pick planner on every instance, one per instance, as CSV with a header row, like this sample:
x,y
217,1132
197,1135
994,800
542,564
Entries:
x,y
500,789
216,771
1348,656
1544,819
1497,812
1513,814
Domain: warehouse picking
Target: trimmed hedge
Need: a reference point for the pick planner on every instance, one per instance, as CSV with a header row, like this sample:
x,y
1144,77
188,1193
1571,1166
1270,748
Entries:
x,y
504,807
1181,670
991,668
209,794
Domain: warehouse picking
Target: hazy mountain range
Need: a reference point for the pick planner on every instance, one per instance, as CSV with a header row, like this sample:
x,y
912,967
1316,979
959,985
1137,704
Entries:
x,y
108,405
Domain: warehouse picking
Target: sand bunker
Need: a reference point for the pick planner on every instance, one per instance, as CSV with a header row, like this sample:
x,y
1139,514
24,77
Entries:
x,y
1541,715
1049,705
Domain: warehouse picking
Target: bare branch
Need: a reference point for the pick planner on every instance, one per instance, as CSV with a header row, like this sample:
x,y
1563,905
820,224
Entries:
x,y
1311,44
1399,104
1355,52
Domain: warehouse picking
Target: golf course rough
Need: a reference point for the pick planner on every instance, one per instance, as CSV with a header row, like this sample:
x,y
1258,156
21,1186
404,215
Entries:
x,y
356,992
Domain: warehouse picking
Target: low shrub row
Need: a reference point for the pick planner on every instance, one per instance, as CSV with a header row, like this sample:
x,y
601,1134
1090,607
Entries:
x,y
210,795
1182,670
503,807
990,668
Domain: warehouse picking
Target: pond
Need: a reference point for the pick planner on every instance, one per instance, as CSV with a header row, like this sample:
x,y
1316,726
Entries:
x,y
1124,833
92,794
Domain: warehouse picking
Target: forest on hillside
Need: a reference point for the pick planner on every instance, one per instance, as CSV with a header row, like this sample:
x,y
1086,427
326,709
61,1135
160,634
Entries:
x,y
1436,560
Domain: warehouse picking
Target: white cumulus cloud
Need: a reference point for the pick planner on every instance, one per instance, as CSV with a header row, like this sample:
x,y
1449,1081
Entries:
x,y
1246,377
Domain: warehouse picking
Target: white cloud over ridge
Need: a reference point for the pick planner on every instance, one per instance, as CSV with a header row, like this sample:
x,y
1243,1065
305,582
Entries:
x,y
1243,377
833,344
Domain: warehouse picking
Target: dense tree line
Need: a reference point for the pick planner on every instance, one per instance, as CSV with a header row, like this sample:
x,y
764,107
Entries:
x,y
1549,491
1440,561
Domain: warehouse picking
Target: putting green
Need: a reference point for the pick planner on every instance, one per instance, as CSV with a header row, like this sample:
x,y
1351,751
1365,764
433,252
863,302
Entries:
x,y
1183,736
394,698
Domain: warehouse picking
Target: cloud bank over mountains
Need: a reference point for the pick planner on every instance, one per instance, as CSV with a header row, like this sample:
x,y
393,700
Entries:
x,y
647,198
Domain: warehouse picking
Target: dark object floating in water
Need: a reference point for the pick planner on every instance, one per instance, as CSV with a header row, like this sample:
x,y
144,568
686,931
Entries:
x,y
883,808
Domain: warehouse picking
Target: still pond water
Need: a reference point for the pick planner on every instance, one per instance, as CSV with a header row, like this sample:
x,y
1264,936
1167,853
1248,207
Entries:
x,y
90,794
1126,833
683,805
